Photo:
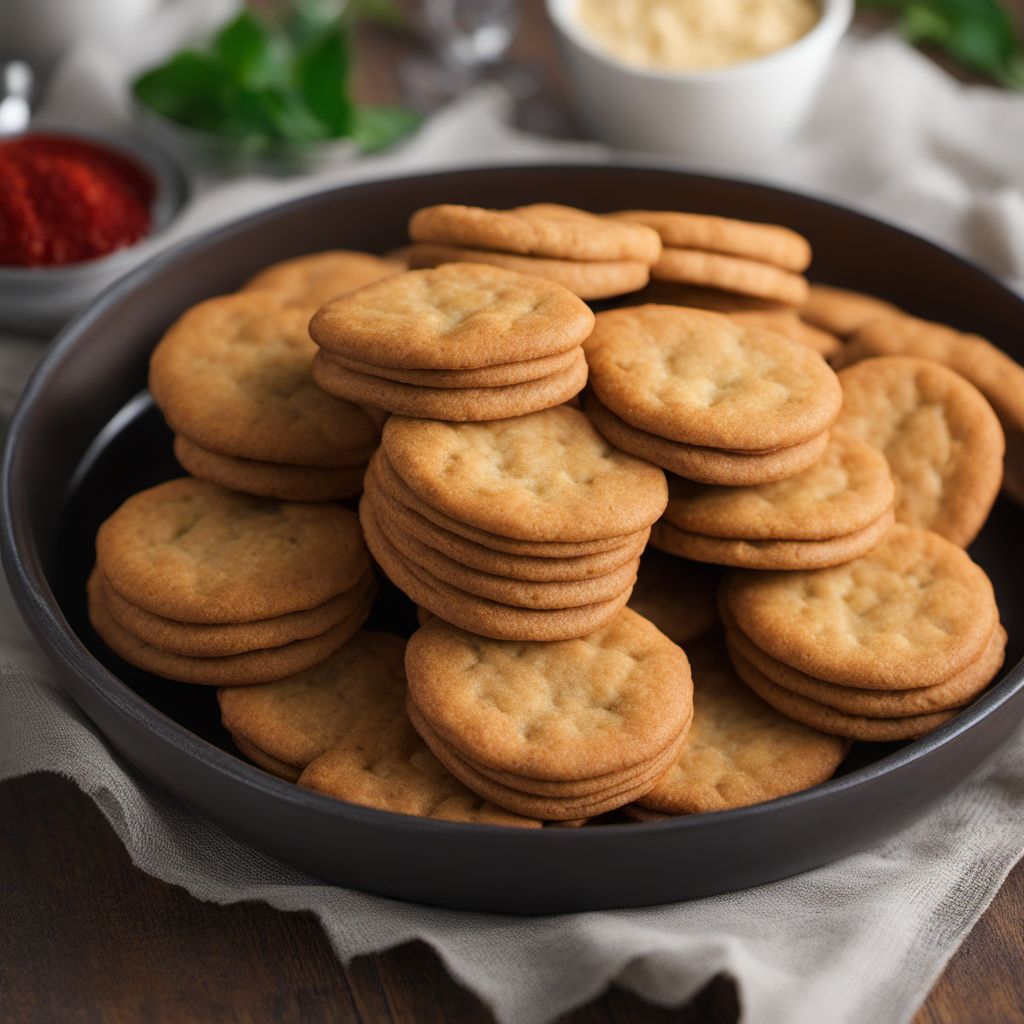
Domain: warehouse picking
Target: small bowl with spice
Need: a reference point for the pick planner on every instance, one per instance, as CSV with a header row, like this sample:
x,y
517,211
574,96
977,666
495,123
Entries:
x,y
78,210
710,80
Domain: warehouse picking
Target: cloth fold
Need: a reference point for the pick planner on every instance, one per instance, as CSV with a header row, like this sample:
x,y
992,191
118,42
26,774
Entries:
x,y
859,940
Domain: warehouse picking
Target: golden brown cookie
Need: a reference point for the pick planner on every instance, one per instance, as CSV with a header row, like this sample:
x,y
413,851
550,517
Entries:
x,y
269,479
706,465
910,613
192,551
700,378
740,751
458,316
540,229
308,282
787,323
676,595
545,477
263,760
840,311
233,375
675,293
217,640
731,274
767,243
452,404
943,441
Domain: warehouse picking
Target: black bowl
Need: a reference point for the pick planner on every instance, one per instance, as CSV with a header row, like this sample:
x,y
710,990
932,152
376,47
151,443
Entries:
x,y
85,437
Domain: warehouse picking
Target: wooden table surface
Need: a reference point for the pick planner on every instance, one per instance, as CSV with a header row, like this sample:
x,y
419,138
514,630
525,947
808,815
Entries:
x,y
85,936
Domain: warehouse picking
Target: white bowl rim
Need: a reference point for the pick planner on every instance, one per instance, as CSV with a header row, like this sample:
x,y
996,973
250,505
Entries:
x,y
836,16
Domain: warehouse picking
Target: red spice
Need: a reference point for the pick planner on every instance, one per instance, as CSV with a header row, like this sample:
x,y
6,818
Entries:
x,y
64,200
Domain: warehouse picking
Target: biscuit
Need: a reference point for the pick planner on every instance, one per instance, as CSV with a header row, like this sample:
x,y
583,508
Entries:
x,y
590,279
677,596
308,282
605,702
245,669
772,554
675,293
706,465
840,311
484,377
731,274
195,552
269,479
846,490
531,568
912,611
700,378
540,229
788,323
265,761
740,751
548,476
767,243
477,614
218,640
943,441
387,765
957,690
819,716
233,375
459,316
453,404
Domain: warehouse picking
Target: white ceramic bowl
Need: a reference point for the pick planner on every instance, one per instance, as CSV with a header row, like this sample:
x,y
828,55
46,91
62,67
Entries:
x,y
726,115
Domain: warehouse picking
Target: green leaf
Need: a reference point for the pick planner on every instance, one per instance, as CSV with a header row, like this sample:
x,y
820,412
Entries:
x,y
183,87
245,48
322,77
379,127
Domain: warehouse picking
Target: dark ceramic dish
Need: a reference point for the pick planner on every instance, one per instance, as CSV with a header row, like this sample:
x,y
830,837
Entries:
x,y
83,439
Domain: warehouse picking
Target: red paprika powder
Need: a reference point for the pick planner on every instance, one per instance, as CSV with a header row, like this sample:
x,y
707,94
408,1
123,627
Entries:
x,y
64,200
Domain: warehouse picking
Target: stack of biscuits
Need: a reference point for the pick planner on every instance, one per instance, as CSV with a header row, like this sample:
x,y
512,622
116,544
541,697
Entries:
x,y
707,398
558,731
522,529
592,256
203,585
885,647
232,378
461,342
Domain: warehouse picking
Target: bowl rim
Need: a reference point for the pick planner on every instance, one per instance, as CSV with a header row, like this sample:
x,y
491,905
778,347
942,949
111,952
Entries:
x,y
836,16
23,564
172,190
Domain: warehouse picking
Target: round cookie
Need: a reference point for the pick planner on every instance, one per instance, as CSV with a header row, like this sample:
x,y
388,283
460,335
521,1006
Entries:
x,y
265,761
911,612
840,311
296,719
953,692
591,279
233,375
218,640
788,323
614,698
943,441
545,477
531,568
268,479
386,765
452,404
731,274
706,465
772,554
459,316
819,716
677,596
308,282
846,490
484,617
245,669
540,229
675,293
768,243
700,378
192,551
740,751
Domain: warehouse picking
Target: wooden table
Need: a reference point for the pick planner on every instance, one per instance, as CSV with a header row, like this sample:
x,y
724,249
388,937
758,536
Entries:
x,y
85,936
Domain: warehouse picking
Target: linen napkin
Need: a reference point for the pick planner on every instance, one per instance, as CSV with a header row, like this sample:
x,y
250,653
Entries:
x,y
859,940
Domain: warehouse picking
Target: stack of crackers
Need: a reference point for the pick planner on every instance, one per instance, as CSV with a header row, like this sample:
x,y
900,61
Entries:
x,y
693,594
